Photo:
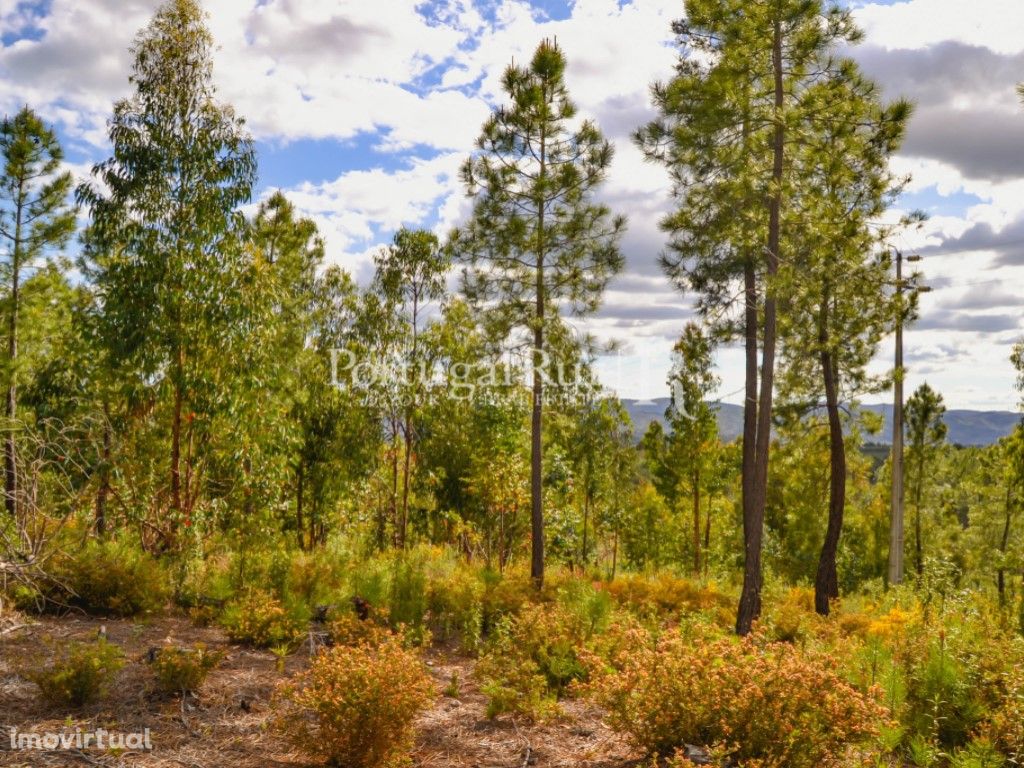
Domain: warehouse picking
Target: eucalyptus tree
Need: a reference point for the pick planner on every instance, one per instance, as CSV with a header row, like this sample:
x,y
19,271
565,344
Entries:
x,y
36,219
926,433
270,388
837,283
164,237
743,102
410,274
537,245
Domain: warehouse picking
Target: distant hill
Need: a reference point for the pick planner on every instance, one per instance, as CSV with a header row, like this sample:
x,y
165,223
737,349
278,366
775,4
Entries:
x,y
965,427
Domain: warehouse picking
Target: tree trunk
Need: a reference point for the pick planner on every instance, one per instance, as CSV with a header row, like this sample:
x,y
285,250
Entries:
x,y
918,550
536,466
756,488
750,597
403,522
826,583
696,521
11,404
586,519
707,532
104,490
536,442
1003,544
615,554
179,370
393,500
300,481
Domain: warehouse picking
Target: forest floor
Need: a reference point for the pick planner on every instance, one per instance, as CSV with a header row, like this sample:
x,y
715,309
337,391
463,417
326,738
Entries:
x,y
226,725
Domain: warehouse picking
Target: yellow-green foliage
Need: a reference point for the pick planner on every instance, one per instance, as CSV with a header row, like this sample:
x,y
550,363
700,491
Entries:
x,y
79,674
532,659
259,619
455,597
183,670
112,578
355,705
666,594
767,704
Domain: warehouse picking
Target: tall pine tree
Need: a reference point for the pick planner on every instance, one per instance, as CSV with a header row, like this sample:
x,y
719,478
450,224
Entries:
x,y
35,219
537,244
731,119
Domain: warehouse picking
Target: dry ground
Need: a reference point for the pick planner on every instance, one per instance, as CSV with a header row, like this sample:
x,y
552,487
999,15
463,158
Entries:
x,y
226,726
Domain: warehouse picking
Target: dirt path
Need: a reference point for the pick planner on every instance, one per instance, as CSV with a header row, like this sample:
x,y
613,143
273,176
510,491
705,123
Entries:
x,y
226,726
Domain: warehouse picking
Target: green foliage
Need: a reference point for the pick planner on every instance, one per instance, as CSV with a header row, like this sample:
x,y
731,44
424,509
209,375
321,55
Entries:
x,y
79,674
532,658
183,670
537,244
259,619
112,577
163,245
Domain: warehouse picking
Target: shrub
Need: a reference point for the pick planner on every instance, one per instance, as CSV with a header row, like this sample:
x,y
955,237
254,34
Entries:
x,y
456,607
532,659
664,594
113,578
793,619
511,678
1005,728
407,598
765,702
349,629
80,674
260,620
183,670
355,705
313,577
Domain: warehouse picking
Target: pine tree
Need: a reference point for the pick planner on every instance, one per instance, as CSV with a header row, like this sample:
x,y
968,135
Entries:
x,y
537,245
163,242
926,432
839,304
35,219
731,120
694,425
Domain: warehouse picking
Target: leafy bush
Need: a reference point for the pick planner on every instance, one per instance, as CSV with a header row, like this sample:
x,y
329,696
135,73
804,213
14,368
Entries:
x,y
532,659
259,619
664,593
942,698
313,577
113,578
754,700
456,607
792,620
511,679
407,598
349,629
80,674
356,704
183,670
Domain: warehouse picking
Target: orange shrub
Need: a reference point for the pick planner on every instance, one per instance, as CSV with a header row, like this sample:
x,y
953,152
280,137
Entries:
x,y
355,705
764,702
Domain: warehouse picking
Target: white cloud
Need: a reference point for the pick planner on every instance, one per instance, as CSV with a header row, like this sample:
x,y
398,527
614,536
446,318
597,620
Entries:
x,y
994,24
421,87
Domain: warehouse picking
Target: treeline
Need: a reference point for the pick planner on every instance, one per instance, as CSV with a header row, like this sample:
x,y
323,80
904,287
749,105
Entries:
x,y
197,375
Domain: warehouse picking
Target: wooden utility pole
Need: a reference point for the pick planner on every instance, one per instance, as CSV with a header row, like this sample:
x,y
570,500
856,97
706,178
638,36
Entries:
x,y
896,518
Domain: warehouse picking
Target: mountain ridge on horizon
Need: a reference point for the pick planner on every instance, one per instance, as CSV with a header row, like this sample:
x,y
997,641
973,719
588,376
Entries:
x,y
965,426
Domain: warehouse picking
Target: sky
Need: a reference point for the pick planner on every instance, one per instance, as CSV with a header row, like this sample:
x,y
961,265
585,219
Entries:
x,y
363,111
